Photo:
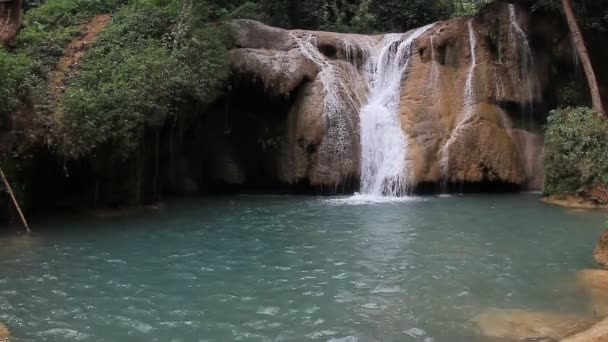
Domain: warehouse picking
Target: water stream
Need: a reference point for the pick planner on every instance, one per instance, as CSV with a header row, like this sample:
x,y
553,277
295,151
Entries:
x,y
282,268
469,90
521,44
468,103
336,99
384,169
526,141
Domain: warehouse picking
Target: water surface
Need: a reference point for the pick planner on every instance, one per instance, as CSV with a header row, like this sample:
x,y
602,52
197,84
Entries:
x,y
281,268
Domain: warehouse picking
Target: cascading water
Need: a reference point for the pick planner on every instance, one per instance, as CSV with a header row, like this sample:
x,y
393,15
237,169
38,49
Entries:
x,y
336,99
384,169
526,141
434,73
469,102
469,92
520,43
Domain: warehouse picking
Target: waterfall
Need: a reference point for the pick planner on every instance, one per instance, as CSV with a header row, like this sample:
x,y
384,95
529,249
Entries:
x,y
525,141
469,93
434,78
469,102
521,43
339,126
384,168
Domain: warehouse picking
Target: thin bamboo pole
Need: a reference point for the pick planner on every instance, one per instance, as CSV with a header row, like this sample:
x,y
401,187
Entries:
x,y
10,192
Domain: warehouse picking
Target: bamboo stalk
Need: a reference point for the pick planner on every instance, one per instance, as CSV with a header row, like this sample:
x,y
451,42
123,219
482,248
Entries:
x,y
10,192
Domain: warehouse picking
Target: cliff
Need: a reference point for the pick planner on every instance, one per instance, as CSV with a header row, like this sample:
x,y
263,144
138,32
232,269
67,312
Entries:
x,y
468,101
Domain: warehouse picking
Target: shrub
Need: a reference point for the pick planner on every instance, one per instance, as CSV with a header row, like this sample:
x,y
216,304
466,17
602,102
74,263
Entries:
x,y
136,73
50,26
576,151
14,81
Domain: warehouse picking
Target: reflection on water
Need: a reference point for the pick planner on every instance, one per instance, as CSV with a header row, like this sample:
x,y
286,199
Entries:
x,y
256,268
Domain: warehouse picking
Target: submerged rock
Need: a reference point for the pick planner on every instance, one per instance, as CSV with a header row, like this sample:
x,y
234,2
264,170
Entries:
x,y
597,333
595,284
600,253
4,333
519,325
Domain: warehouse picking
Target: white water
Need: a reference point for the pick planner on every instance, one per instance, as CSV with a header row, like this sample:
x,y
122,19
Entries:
x,y
434,78
336,99
469,92
384,167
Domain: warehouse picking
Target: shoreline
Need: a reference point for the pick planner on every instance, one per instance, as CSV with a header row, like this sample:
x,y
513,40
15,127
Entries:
x,y
573,202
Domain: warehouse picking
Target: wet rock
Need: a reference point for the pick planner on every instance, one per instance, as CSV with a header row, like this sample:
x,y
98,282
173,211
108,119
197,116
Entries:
x,y
519,325
324,74
595,284
597,333
280,72
4,333
600,253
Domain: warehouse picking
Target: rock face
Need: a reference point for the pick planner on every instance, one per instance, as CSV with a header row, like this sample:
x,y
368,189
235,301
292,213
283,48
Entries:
x,y
321,140
518,325
600,253
466,99
10,19
595,284
597,333
4,333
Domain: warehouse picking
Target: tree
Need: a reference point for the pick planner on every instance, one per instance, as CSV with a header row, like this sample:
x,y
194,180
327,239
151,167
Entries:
x,y
10,20
579,44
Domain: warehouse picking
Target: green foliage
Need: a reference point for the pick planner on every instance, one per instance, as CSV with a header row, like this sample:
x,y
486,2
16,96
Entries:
x,y
149,60
51,25
576,151
466,7
248,10
570,94
14,81
363,16
113,101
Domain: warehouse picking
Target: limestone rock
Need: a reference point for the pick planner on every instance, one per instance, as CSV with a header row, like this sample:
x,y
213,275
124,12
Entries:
x,y
322,147
326,77
255,35
4,333
600,253
453,141
518,325
281,72
595,284
597,333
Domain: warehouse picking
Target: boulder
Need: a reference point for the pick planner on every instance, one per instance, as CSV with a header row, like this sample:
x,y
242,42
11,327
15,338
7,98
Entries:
x,y
600,253
4,333
595,285
597,333
519,325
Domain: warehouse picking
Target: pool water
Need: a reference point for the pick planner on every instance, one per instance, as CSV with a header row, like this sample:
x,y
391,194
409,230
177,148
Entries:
x,y
287,268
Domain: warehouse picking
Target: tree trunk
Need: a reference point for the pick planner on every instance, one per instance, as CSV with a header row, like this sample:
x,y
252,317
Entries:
x,y
579,44
15,203
10,20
